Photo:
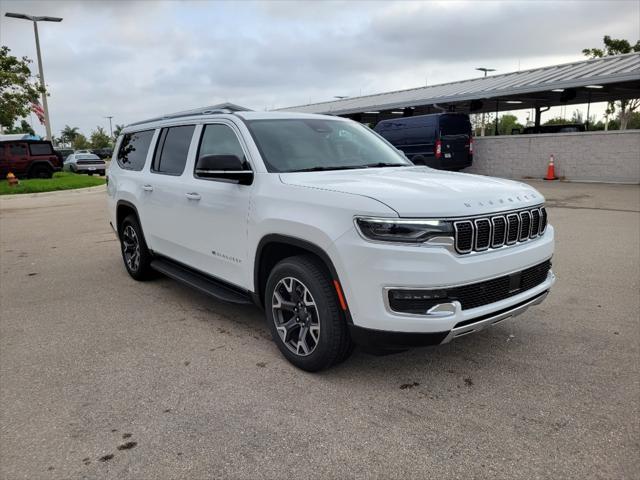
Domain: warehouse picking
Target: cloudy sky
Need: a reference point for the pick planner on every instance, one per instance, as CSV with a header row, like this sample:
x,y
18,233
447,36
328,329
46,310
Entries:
x,y
134,60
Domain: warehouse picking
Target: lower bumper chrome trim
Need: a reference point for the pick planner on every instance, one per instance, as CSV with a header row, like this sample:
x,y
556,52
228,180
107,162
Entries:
x,y
483,323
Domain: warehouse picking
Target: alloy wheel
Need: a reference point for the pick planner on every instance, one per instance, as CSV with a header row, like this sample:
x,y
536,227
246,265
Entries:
x,y
295,315
131,247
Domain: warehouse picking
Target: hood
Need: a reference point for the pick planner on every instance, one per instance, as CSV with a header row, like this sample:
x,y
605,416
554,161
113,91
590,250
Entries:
x,y
422,191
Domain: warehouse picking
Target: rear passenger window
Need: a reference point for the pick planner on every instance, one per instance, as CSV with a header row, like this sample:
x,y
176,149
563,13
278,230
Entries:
x,y
18,149
220,140
133,150
40,149
173,147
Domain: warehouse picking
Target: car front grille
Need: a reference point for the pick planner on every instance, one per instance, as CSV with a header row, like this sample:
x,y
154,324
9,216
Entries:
x,y
472,295
496,231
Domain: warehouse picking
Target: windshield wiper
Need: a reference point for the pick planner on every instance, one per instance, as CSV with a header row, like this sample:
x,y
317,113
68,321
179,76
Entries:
x,y
321,168
385,164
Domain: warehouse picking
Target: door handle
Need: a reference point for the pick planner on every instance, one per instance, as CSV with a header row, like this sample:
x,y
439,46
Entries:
x,y
192,196
147,188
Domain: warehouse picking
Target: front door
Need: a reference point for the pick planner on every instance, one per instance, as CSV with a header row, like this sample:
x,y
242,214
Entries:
x,y
215,212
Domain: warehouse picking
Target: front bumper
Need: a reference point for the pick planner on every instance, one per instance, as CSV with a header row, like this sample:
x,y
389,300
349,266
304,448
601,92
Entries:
x,y
367,270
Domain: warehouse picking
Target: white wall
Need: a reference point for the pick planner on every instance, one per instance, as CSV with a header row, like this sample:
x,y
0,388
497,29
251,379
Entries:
x,y
612,156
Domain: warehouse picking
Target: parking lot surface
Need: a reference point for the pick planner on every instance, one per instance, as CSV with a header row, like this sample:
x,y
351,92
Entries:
x,y
105,377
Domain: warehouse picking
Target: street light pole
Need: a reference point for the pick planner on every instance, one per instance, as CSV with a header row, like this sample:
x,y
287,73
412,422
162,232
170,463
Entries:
x,y
110,127
485,70
35,21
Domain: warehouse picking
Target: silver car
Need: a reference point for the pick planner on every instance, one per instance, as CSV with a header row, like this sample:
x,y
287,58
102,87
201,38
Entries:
x,y
85,163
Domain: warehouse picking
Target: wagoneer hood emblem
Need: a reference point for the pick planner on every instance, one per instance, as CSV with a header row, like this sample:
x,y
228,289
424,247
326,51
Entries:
x,y
421,191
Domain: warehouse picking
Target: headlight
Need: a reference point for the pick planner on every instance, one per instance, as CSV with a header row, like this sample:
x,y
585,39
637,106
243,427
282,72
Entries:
x,y
403,230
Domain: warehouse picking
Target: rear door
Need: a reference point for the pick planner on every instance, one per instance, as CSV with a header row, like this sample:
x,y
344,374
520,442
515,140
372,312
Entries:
x,y
455,134
19,161
4,161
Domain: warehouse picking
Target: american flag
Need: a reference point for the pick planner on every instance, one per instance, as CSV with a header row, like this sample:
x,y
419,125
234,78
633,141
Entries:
x,y
38,110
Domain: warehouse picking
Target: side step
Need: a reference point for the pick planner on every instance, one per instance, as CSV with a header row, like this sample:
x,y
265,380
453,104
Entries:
x,y
200,281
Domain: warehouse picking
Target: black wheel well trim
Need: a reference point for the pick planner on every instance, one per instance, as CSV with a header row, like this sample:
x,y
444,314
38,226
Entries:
x,y
37,163
125,203
301,244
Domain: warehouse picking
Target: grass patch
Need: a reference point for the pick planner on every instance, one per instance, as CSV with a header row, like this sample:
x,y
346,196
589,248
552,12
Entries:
x,y
60,181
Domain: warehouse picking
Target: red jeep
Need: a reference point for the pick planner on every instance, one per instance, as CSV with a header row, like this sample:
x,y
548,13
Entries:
x,y
28,158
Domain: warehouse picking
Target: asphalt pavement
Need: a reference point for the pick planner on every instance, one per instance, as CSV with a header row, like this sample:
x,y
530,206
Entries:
x,y
104,377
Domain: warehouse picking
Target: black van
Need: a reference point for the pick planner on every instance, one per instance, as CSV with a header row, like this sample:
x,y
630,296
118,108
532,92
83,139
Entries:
x,y
443,140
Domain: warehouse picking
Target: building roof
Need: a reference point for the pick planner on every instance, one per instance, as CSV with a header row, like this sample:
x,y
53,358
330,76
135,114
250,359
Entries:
x,y
619,76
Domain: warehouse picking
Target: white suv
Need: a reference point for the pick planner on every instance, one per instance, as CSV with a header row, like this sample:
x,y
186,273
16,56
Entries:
x,y
328,228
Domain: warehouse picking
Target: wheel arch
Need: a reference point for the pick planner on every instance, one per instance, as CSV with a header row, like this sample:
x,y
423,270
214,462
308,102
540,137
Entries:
x,y
273,248
40,163
123,209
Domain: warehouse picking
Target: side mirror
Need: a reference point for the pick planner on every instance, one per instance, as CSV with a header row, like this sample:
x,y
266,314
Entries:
x,y
223,167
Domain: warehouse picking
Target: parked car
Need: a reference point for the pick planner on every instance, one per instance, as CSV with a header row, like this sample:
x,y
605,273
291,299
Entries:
x,y
443,140
103,153
28,158
85,163
329,229
63,153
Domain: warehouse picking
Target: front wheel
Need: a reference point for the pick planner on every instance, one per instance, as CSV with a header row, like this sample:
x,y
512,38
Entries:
x,y
304,315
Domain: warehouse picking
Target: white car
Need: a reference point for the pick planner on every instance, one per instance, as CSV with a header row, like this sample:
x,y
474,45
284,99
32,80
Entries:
x,y
328,228
85,163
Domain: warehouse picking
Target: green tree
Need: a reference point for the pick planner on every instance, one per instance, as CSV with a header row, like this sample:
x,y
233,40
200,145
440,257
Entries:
x,y
507,123
24,127
80,142
117,131
17,88
557,121
100,138
69,134
615,46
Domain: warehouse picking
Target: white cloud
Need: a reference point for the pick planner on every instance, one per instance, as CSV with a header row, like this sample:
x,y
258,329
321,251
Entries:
x,y
138,59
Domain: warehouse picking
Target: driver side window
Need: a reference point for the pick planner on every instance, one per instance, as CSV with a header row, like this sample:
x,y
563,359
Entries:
x,y
218,139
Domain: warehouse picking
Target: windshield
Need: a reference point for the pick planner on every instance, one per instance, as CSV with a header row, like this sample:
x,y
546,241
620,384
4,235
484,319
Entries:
x,y
293,145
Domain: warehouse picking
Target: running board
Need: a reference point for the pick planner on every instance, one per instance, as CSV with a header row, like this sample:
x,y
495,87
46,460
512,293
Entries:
x,y
200,282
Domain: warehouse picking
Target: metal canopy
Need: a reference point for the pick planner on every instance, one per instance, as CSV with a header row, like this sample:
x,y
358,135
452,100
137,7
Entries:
x,y
566,84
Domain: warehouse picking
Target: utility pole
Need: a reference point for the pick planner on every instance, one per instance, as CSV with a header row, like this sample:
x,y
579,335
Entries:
x,y
110,127
485,70
35,21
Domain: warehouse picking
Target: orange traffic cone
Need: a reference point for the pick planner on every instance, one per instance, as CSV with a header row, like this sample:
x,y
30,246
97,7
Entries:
x,y
551,170
12,180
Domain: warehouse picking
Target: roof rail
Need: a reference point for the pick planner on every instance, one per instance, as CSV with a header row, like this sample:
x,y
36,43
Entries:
x,y
228,108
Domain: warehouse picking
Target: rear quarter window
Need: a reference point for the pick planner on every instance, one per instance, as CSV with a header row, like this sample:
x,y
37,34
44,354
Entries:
x,y
133,150
40,149
455,125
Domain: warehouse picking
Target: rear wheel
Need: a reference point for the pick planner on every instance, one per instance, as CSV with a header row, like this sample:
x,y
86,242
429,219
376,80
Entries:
x,y
136,255
304,315
41,171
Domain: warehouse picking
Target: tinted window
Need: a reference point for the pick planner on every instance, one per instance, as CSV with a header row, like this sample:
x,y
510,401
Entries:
x,y
18,149
133,150
220,140
2,155
455,125
40,149
173,147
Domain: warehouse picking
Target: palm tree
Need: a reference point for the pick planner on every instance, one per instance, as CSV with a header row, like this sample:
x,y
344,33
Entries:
x,y
69,134
117,131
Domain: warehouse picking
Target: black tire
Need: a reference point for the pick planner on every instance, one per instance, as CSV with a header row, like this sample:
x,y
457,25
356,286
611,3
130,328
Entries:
x,y
333,341
139,269
41,171
91,174
419,160
101,173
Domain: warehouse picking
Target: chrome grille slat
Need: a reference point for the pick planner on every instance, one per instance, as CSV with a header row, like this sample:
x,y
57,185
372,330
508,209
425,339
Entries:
x,y
496,231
